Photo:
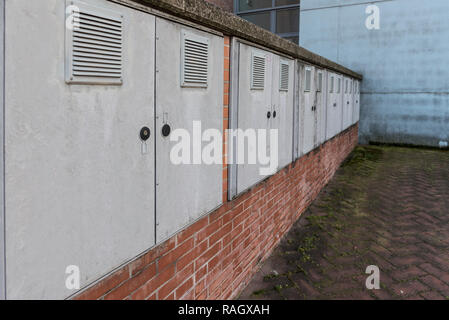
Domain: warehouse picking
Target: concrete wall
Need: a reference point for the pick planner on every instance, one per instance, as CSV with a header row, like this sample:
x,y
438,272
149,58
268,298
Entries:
x,y
405,92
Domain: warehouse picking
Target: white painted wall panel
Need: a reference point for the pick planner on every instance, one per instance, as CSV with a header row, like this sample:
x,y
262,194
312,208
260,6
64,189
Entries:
x,y
186,191
79,191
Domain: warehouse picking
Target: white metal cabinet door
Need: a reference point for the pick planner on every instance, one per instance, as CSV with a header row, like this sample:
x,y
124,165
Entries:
x,y
296,111
347,103
321,82
356,113
79,190
186,191
334,110
282,107
254,104
308,105
331,106
339,97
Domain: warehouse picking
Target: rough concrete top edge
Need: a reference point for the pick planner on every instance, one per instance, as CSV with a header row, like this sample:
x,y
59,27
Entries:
x,y
209,15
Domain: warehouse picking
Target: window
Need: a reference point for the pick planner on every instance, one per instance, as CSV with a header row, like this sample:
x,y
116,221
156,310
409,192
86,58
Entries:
x,y
278,16
245,5
287,21
261,19
339,85
346,87
331,90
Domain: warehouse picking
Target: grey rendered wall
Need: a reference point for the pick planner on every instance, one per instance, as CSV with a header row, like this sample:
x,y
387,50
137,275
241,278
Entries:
x,y
405,91
79,191
2,177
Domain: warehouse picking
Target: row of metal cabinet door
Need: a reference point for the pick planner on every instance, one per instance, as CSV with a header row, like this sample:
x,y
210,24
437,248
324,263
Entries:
x,y
309,108
102,194
329,104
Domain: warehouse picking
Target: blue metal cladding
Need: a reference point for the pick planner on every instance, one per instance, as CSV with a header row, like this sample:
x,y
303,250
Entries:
x,y
405,63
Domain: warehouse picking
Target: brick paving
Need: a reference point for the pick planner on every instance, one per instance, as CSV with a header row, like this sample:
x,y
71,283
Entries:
x,y
386,206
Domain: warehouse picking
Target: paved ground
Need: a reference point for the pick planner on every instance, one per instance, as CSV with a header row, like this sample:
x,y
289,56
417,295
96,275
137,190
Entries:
x,y
386,206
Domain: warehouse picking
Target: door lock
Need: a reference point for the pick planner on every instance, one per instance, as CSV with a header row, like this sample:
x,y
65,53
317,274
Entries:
x,y
166,130
145,134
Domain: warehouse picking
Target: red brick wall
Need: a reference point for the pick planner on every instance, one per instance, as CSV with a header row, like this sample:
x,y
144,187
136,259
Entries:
x,y
227,5
216,257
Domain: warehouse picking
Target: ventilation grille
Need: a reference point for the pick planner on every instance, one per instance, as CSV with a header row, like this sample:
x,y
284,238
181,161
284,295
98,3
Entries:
x,y
95,46
308,79
195,61
258,72
285,69
320,82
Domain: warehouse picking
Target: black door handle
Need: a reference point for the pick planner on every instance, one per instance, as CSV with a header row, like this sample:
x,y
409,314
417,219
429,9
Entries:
x,y
268,114
274,114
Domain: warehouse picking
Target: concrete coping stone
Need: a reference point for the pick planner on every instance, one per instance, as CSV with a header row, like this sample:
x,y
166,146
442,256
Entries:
x,y
208,15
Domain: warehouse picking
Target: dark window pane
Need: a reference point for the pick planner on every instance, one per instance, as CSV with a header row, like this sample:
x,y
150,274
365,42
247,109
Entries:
x,y
286,2
254,4
261,19
293,39
287,21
